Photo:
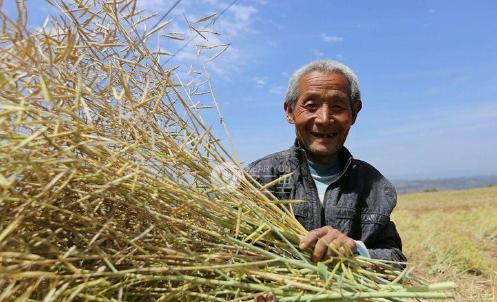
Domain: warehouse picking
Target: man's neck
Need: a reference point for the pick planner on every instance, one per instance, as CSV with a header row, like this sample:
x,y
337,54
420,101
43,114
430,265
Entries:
x,y
323,170
322,159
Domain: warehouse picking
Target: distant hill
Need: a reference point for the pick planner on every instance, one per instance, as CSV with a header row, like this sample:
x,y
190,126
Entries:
x,y
459,183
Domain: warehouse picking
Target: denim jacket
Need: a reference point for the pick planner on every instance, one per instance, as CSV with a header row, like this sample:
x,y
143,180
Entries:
x,y
358,203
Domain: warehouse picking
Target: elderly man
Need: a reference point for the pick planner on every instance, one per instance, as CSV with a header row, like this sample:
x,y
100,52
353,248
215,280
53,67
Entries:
x,y
347,202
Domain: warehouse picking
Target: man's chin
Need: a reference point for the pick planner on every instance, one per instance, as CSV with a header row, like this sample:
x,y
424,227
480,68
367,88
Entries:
x,y
322,152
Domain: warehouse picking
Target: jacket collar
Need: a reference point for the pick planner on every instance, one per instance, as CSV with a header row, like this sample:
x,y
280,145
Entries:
x,y
298,158
298,151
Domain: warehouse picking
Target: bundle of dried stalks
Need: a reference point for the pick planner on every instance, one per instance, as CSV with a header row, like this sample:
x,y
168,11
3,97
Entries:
x,y
106,184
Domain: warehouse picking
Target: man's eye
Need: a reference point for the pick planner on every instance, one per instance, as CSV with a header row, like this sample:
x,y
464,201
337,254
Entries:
x,y
310,105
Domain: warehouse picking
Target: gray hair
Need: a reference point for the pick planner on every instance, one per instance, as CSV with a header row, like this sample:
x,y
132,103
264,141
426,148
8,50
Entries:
x,y
327,66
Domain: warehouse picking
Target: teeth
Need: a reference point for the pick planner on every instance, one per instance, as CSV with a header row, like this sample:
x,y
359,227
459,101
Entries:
x,y
324,135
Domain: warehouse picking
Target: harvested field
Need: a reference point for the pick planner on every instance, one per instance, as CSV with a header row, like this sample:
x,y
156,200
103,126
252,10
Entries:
x,y
453,235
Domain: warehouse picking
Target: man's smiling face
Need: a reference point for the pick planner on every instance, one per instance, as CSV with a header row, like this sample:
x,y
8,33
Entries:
x,y
323,114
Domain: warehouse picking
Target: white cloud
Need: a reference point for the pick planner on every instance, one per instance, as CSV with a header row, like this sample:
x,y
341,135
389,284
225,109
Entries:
x,y
434,142
160,6
449,119
226,63
331,39
235,21
278,90
317,53
212,2
242,12
277,26
259,82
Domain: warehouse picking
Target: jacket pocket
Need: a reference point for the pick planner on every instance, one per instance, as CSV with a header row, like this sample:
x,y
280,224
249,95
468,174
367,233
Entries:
x,y
344,219
372,225
301,209
343,213
374,218
303,215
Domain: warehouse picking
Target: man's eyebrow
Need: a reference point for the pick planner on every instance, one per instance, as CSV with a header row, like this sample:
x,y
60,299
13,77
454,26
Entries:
x,y
340,97
310,94
343,97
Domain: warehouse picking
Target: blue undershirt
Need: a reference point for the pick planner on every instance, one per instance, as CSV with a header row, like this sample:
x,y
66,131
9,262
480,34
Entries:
x,y
323,175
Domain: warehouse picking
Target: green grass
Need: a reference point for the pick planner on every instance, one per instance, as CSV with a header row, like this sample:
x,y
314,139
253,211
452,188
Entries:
x,y
452,235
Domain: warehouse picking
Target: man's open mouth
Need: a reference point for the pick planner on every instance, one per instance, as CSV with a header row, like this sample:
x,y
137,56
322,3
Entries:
x,y
323,135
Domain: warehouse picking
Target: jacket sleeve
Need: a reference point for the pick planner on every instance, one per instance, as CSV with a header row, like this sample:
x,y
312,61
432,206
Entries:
x,y
378,231
388,245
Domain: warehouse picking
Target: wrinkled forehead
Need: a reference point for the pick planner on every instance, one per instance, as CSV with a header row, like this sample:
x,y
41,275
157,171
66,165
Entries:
x,y
320,82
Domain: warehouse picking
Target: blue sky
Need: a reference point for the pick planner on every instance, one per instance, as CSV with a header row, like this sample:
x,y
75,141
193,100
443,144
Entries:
x,y
427,71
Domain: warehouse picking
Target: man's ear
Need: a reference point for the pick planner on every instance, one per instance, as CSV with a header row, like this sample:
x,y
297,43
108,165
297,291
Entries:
x,y
356,107
288,112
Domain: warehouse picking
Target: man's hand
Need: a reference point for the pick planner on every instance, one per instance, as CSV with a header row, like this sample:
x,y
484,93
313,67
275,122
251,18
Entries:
x,y
327,241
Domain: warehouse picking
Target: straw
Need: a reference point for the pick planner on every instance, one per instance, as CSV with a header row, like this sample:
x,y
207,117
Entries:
x,y
107,190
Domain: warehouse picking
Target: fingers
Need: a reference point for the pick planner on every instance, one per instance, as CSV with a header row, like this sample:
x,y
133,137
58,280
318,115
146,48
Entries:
x,y
327,242
343,246
312,237
324,244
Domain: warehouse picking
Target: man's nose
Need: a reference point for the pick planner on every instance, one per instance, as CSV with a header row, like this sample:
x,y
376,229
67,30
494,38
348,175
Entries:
x,y
324,115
